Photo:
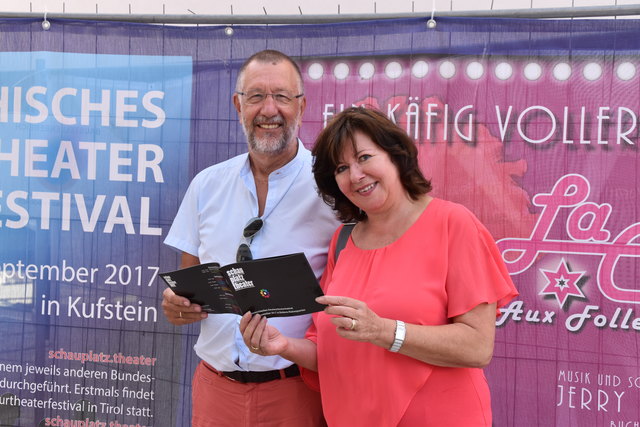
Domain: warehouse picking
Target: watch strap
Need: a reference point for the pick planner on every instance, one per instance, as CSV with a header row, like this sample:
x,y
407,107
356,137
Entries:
x,y
401,332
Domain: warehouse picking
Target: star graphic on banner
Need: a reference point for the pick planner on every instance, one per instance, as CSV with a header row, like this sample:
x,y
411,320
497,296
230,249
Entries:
x,y
562,283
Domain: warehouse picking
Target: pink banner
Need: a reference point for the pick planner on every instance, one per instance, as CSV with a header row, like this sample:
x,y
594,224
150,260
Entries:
x,y
544,151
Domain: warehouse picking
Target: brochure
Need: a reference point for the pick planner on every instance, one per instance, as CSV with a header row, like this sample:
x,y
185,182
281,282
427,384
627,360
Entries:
x,y
272,287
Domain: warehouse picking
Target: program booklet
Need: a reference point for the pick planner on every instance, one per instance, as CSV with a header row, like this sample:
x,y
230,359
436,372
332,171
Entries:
x,y
272,287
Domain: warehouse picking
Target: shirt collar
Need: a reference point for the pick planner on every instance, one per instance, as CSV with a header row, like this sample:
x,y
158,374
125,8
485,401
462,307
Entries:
x,y
293,167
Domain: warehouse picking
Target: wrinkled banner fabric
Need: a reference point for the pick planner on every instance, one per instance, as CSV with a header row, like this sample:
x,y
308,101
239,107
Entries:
x,y
533,125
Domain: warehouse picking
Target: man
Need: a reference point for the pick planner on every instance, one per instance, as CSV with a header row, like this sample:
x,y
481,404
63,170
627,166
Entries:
x,y
273,181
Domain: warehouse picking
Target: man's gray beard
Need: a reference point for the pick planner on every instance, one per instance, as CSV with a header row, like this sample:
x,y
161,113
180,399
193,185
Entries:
x,y
269,145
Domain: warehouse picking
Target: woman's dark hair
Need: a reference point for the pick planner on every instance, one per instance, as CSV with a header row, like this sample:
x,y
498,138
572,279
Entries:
x,y
384,133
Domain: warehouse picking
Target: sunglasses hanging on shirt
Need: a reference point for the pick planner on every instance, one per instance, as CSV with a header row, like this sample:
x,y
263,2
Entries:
x,y
251,229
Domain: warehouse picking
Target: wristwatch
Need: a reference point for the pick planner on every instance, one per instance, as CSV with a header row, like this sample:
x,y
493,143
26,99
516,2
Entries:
x,y
401,331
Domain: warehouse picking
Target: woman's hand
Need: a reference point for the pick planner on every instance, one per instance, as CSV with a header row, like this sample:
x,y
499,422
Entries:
x,y
356,321
260,337
465,342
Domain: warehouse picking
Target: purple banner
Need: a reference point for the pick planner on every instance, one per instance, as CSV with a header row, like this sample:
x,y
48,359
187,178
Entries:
x,y
533,125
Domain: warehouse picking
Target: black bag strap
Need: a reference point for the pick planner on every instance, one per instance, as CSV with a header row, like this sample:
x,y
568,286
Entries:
x,y
343,236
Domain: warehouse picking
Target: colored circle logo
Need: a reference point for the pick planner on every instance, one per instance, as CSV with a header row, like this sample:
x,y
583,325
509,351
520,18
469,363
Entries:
x,y
264,293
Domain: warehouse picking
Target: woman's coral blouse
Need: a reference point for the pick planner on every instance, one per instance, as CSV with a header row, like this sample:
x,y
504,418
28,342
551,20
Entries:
x,y
443,266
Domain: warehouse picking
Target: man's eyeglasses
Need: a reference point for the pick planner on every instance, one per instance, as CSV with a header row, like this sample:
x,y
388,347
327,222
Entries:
x,y
281,98
251,229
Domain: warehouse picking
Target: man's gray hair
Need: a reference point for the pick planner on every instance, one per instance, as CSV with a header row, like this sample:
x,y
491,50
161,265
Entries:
x,y
273,56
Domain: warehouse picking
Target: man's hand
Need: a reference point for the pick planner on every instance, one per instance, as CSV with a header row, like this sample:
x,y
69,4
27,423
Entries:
x,y
260,337
179,310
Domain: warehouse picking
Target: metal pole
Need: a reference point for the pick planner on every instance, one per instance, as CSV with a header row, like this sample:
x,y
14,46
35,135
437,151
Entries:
x,y
563,12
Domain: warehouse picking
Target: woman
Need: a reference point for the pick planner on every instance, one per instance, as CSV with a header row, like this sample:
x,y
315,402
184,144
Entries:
x,y
412,301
